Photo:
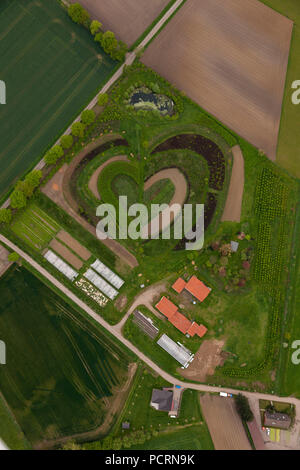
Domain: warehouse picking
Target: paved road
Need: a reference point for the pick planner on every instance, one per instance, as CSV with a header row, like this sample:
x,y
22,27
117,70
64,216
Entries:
x,y
115,331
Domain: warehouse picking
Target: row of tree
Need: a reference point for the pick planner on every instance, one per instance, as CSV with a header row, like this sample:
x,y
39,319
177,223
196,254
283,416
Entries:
x,y
116,49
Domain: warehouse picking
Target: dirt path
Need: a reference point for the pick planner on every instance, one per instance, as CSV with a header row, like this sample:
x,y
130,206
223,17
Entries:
x,y
147,298
181,190
4,263
93,183
233,207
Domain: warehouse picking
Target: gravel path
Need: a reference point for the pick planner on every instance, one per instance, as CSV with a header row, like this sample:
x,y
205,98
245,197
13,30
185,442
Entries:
x,y
233,206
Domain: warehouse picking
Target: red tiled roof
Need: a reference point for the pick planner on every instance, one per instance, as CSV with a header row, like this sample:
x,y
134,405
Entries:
x,y
166,307
179,285
196,329
197,288
180,322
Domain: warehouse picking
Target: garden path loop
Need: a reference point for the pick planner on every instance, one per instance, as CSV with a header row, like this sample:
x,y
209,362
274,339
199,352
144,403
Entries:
x,y
233,206
93,183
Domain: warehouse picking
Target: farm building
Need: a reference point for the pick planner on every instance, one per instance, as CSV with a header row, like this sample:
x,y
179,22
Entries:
x,y
194,286
277,420
183,324
145,324
179,352
162,399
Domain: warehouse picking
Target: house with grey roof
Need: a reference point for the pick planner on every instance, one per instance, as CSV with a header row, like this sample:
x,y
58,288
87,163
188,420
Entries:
x,y
162,400
277,420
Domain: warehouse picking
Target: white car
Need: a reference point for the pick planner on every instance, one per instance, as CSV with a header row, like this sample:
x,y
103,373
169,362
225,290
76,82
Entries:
x,y
268,431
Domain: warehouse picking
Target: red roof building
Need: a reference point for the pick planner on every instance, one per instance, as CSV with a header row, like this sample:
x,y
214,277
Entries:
x,y
179,285
166,307
197,288
196,329
180,322
183,324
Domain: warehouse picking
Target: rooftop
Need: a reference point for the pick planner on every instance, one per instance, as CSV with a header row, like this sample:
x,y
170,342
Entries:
x,y
196,287
180,322
196,329
179,285
162,399
166,307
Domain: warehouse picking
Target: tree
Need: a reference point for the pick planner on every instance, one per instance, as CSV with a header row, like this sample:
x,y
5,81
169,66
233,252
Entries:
x,y
13,257
71,445
53,155
243,407
5,216
18,199
66,141
95,26
34,178
78,14
102,99
109,42
25,187
119,51
88,117
98,37
78,129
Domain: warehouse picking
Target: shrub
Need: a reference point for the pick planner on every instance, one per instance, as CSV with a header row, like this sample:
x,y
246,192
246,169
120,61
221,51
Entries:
x,y
78,14
18,199
88,117
53,155
102,99
13,257
78,129
95,26
66,141
33,178
5,216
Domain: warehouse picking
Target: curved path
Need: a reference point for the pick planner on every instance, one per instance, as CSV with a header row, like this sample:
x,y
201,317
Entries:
x,y
93,183
233,206
114,330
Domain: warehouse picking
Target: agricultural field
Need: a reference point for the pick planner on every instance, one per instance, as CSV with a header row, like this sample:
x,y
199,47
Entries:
x,y
289,140
128,19
224,423
51,68
10,431
62,374
202,52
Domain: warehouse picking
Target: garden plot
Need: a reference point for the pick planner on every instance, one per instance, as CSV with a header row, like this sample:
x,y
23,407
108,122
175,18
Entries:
x,y
231,58
66,254
128,19
80,250
91,292
35,227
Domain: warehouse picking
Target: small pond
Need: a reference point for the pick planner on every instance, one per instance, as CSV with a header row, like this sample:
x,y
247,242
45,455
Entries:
x,y
144,98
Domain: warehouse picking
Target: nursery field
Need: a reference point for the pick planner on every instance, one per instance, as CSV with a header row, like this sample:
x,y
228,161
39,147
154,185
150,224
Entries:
x,y
51,68
61,371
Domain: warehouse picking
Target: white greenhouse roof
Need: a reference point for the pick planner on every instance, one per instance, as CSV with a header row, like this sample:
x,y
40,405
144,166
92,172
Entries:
x,y
102,285
180,354
59,264
108,274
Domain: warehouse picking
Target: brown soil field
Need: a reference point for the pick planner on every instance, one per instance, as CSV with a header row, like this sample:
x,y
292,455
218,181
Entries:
x,y
233,207
74,245
66,254
207,358
231,58
224,424
128,19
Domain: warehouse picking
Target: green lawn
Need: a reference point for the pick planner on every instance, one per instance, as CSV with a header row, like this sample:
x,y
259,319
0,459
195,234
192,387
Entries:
x,y
288,144
10,431
51,68
59,367
189,438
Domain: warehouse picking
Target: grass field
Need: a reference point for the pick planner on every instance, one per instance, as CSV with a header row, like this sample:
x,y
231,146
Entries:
x,y
189,438
289,137
10,431
35,227
60,370
51,68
